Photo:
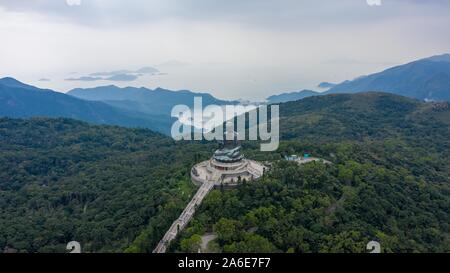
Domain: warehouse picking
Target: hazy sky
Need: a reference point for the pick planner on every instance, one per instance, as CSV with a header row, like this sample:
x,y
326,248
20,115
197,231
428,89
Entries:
x,y
233,49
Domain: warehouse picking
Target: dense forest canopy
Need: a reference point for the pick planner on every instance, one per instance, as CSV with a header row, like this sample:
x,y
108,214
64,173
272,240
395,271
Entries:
x,y
115,189
63,180
389,181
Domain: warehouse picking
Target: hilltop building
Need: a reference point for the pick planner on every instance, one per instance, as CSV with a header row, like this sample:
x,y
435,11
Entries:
x,y
228,166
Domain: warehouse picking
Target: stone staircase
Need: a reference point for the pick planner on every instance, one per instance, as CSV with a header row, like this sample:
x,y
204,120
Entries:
x,y
184,218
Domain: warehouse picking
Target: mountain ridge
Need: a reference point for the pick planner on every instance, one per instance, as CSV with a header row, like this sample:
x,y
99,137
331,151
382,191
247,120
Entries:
x,y
159,100
425,79
21,100
291,96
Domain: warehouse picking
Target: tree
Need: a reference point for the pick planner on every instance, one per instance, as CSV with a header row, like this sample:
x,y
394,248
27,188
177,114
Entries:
x,y
192,244
226,229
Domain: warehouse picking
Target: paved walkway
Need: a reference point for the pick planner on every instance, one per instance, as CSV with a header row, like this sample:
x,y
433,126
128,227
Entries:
x,y
184,218
208,237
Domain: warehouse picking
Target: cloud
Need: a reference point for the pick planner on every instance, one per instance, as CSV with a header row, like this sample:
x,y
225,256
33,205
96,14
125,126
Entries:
x,y
85,79
44,80
73,2
350,61
122,77
234,48
260,13
110,73
374,2
118,75
147,70
269,13
172,64
340,61
143,70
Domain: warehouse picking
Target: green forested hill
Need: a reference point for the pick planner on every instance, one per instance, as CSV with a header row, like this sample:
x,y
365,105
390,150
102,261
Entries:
x,y
364,115
389,182
63,180
116,189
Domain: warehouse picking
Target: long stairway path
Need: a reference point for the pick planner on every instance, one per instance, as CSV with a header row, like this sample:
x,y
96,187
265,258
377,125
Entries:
x,y
184,218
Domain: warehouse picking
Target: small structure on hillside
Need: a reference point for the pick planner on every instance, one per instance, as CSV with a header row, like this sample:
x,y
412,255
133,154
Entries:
x,y
306,158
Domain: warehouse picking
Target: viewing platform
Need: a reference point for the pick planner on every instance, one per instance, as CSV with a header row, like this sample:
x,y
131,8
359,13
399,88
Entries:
x,y
226,174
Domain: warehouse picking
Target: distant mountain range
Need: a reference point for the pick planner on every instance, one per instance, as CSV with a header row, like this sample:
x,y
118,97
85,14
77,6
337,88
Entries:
x,y
129,107
425,79
158,101
20,100
292,96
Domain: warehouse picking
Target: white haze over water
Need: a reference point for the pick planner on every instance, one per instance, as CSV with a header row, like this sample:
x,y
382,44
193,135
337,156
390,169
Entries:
x,y
232,49
207,121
